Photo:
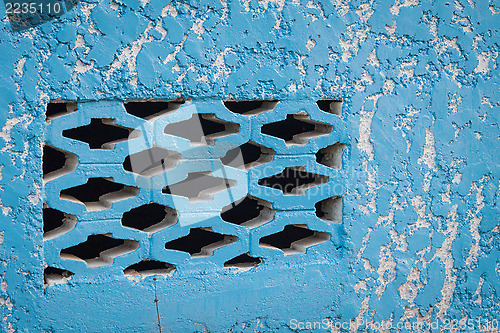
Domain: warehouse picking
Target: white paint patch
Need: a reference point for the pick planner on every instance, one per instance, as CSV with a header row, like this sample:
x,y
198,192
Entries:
x,y
445,254
429,156
198,27
483,63
398,5
475,220
310,44
171,56
386,270
169,10
372,59
20,67
388,87
364,143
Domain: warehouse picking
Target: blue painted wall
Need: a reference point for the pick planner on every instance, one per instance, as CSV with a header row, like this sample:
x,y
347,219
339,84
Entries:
x,y
420,232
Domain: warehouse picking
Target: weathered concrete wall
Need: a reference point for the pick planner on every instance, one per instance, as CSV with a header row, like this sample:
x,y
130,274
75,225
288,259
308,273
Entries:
x,y
420,229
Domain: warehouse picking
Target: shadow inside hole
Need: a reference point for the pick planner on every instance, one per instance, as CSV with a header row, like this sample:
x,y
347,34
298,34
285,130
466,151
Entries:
x,y
148,267
199,186
244,261
200,242
101,133
202,128
293,180
250,107
150,218
152,109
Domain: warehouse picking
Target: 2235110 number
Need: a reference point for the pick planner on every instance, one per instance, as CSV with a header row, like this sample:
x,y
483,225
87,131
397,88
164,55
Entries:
x,y
32,8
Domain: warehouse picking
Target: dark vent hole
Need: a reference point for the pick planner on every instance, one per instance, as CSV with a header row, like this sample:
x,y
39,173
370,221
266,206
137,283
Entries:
x,y
287,128
53,159
242,211
151,161
199,186
148,266
93,246
99,134
244,260
242,155
291,179
250,107
196,128
56,109
285,238
93,189
331,106
53,274
195,241
151,109
146,216
52,219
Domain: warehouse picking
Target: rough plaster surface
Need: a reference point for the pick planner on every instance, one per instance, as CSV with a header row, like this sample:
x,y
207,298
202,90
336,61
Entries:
x,y
419,81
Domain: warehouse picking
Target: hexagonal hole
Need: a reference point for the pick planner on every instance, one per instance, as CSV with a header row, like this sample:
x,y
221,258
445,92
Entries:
x,y
199,186
331,156
57,162
101,133
152,109
148,267
202,129
59,108
294,239
297,129
293,180
56,223
99,250
333,106
150,218
251,107
250,212
53,276
330,209
243,262
151,161
99,193
248,155
200,242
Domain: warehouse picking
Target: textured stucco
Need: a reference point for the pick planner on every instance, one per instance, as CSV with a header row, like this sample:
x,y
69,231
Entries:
x,y
419,80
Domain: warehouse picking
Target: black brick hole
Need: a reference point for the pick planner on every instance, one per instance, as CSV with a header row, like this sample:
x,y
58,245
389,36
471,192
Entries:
x,y
330,209
150,218
56,109
331,156
199,186
152,109
151,161
148,267
53,275
56,223
243,261
200,242
99,250
98,193
296,129
201,128
101,133
251,107
333,106
249,212
248,155
294,238
293,180
56,162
